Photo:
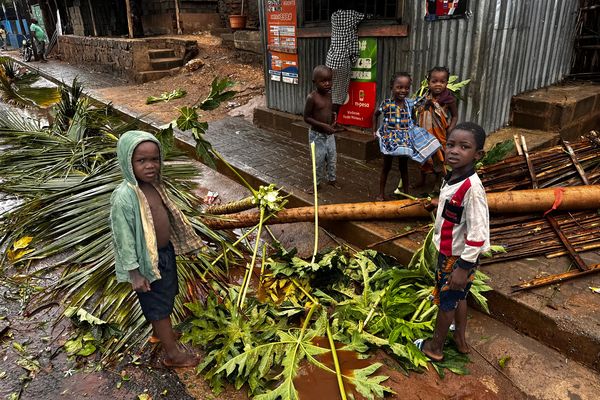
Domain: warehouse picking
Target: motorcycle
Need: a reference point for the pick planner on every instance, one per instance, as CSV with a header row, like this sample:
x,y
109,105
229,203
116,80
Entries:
x,y
27,50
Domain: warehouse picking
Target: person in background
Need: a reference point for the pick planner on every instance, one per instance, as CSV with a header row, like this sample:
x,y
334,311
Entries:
x,y
3,37
343,51
40,40
436,112
398,135
318,114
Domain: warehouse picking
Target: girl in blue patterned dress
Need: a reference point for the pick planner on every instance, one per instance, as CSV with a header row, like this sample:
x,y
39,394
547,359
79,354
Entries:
x,y
398,135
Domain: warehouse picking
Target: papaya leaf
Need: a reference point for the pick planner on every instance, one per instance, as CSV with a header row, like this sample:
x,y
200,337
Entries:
x,y
369,385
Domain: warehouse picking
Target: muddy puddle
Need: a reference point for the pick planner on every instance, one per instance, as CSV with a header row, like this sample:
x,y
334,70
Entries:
x,y
314,382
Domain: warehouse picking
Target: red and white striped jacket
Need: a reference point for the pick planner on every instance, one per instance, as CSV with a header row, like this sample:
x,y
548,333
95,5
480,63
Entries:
x,y
462,226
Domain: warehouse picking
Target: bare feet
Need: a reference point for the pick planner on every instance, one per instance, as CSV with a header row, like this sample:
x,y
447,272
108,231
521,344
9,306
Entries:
x,y
433,355
461,344
181,360
311,190
154,339
334,184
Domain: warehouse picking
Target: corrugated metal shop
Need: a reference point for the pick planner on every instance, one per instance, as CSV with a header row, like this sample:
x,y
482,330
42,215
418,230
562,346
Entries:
x,y
504,47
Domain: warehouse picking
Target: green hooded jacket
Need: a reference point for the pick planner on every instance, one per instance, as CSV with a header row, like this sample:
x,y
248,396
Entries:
x,y
134,236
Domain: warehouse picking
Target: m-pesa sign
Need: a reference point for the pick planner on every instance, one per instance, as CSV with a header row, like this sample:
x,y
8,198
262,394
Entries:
x,y
362,94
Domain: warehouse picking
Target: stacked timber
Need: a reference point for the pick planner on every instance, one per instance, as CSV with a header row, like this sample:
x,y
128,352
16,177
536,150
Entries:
x,y
568,164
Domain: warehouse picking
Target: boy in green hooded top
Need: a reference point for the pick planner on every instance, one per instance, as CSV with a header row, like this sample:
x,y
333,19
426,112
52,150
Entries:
x,y
147,231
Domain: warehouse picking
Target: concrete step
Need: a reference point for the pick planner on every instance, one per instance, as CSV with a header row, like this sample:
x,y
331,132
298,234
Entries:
x,y
535,369
147,76
570,109
228,39
350,143
161,53
161,64
565,317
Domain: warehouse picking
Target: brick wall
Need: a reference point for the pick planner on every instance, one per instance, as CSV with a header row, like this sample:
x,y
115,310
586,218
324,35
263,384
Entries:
x,y
121,57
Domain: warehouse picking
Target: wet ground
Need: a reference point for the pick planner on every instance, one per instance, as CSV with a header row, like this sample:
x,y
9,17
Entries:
x,y
533,370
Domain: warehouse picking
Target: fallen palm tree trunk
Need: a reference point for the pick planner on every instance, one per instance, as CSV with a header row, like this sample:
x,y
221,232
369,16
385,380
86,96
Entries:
x,y
233,207
522,201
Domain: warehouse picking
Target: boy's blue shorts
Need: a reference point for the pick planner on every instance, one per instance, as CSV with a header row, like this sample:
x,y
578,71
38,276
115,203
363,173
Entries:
x,y
158,303
445,298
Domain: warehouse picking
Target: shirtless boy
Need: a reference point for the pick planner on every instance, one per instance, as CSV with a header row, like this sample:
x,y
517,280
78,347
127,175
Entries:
x,y
318,113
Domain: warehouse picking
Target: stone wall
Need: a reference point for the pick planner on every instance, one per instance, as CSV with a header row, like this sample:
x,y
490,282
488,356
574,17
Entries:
x,y
121,57
195,15
228,7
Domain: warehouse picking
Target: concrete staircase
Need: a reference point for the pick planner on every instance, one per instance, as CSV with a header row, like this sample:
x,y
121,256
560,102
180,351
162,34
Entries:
x,y
164,62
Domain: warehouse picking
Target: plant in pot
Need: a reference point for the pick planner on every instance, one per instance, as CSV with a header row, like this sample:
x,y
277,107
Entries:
x,y
238,21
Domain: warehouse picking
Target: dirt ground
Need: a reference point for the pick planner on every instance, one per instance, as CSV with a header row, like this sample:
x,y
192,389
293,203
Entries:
x,y
218,61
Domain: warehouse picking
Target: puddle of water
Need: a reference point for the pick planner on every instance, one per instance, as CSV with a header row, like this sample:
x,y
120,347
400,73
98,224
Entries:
x,y
313,382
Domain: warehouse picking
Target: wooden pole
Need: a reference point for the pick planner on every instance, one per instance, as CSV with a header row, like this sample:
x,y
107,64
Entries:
x,y
129,18
177,18
93,19
516,202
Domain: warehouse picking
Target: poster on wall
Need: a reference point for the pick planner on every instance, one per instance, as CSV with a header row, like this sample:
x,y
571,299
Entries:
x,y
358,110
362,94
283,67
446,9
281,41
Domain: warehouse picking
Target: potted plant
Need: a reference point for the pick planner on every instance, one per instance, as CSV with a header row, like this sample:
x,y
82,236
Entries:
x,y
238,21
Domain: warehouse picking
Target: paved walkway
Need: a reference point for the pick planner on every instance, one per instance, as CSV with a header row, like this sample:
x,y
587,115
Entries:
x,y
268,156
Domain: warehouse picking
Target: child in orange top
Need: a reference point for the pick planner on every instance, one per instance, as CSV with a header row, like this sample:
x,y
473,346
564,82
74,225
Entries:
x,y
437,113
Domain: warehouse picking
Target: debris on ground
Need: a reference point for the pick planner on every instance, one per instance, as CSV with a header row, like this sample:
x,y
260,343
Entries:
x,y
194,65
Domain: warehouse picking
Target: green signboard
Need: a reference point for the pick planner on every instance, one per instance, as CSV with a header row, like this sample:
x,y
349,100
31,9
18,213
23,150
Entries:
x,y
365,69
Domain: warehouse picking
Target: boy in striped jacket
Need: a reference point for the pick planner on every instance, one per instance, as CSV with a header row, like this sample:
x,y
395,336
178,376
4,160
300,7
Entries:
x,y
461,235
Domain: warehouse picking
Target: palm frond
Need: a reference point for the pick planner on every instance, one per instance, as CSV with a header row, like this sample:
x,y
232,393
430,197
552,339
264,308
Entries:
x,y
65,182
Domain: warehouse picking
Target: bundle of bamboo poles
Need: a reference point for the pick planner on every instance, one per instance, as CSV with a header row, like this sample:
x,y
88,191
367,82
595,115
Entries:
x,y
529,236
552,167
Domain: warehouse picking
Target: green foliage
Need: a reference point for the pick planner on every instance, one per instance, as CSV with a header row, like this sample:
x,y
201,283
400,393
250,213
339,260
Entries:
x,y
425,259
268,198
502,361
497,153
217,94
370,301
91,332
64,175
225,333
453,85
166,96
453,361
259,348
188,119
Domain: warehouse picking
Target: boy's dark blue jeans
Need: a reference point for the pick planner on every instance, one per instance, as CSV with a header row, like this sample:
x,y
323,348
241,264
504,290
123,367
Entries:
x,y
445,298
158,303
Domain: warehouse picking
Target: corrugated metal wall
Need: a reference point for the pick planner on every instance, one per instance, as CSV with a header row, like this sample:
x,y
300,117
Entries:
x,y
505,47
